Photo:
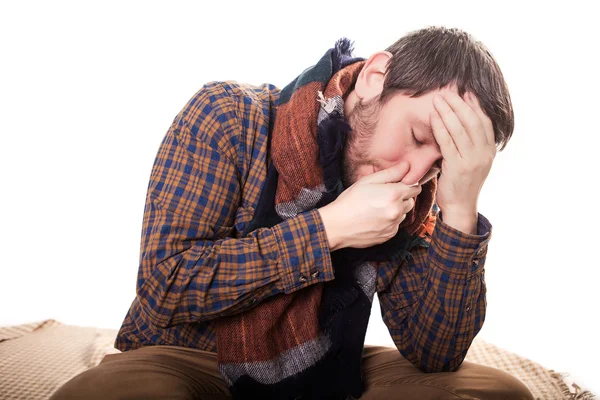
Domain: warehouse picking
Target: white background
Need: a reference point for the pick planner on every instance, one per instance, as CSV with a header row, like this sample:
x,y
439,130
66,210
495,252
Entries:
x,y
88,90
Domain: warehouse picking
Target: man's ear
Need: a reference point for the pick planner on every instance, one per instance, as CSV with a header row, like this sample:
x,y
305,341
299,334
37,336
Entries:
x,y
369,83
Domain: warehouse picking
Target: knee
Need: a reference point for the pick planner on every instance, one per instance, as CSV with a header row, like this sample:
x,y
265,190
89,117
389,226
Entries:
x,y
517,389
502,385
85,385
470,381
101,382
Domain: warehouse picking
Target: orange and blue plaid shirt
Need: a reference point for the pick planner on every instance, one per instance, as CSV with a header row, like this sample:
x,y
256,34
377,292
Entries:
x,y
198,264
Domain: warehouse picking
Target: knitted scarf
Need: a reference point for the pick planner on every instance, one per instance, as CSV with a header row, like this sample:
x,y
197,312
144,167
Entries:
x,y
308,344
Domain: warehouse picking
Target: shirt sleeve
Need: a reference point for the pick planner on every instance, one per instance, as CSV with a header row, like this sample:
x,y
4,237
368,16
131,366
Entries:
x,y
434,303
192,267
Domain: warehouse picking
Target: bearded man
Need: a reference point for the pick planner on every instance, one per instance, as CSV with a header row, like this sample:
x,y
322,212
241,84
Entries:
x,y
273,217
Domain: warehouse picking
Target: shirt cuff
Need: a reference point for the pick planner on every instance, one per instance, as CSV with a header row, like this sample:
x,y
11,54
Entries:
x,y
460,254
304,252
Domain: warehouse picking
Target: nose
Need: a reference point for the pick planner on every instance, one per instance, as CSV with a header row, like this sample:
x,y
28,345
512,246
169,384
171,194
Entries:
x,y
422,168
426,176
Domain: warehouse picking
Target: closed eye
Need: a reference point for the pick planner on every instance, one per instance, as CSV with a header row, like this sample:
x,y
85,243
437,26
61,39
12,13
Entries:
x,y
417,141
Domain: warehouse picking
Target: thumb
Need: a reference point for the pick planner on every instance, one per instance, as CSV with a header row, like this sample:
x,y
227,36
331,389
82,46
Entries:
x,y
392,174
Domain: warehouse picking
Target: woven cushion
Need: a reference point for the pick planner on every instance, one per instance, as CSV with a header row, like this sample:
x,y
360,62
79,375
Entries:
x,y
542,382
35,363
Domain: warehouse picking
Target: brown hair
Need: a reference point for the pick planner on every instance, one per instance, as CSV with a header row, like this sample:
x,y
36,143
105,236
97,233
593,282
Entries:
x,y
435,57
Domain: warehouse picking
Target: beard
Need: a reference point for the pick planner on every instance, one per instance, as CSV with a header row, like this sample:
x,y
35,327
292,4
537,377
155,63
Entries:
x,y
363,121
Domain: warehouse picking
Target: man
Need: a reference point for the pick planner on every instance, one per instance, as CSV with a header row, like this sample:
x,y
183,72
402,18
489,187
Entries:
x,y
259,199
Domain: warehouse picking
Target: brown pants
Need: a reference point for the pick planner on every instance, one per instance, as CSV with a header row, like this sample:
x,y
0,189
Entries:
x,y
171,372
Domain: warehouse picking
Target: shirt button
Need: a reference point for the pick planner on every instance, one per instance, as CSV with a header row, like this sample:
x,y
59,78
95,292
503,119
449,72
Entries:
x,y
302,278
475,262
468,308
254,301
315,274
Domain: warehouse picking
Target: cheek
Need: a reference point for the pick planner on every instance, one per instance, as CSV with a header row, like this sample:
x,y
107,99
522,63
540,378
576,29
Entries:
x,y
390,149
390,153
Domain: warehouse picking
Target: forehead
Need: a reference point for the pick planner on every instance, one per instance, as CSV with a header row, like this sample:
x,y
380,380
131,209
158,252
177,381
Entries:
x,y
419,108
446,89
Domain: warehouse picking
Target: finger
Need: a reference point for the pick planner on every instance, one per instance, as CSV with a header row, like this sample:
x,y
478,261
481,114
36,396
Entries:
x,y
403,192
392,174
409,204
443,138
474,125
407,192
450,116
403,209
485,120
467,117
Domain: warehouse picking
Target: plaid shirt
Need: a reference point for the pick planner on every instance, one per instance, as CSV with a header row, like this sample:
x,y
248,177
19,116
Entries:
x,y
198,264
